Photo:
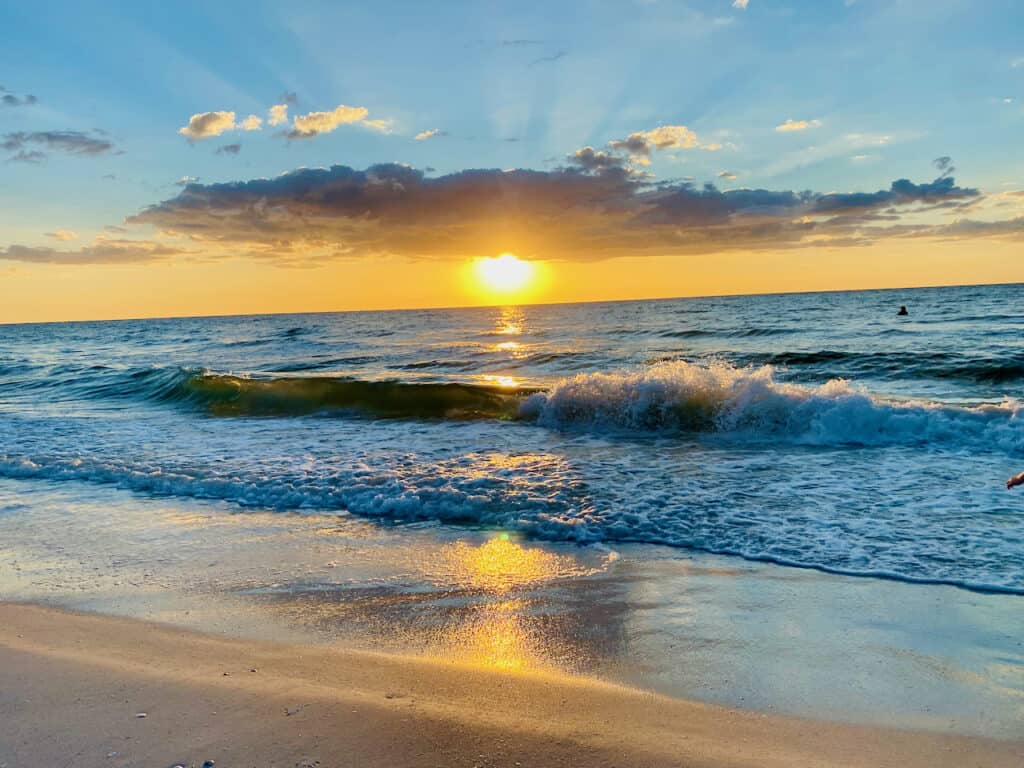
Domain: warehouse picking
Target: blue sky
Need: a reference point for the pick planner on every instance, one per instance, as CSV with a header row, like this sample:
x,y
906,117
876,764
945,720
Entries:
x,y
883,88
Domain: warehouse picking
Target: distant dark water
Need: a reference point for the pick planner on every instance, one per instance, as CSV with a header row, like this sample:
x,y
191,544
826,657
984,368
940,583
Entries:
x,y
818,430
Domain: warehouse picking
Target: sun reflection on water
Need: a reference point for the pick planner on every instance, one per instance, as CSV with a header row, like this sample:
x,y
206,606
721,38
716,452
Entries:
x,y
500,565
499,630
499,636
505,382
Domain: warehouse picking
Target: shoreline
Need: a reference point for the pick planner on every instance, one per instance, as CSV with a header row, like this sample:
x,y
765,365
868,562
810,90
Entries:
x,y
72,685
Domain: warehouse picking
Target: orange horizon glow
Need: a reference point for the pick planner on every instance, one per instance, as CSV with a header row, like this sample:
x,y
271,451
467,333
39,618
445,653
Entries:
x,y
44,292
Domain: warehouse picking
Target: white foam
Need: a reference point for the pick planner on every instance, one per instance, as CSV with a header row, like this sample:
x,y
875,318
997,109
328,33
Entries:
x,y
750,403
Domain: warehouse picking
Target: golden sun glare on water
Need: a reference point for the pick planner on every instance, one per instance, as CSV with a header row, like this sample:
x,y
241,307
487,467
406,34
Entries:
x,y
505,274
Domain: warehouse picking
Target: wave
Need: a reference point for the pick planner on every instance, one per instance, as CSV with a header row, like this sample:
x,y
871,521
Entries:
x,y
920,365
227,395
748,402
668,397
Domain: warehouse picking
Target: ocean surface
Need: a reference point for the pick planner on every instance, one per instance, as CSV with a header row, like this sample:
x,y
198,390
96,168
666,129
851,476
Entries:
x,y
812,430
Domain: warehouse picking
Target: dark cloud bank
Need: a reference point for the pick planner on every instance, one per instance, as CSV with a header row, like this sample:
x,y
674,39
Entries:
x,y
594,208
591,209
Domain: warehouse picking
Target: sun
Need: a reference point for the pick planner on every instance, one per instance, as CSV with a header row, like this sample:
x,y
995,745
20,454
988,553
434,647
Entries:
x,y
504,274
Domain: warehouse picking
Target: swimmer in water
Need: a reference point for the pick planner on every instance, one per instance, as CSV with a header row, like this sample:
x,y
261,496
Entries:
x,y
903,312
1015,481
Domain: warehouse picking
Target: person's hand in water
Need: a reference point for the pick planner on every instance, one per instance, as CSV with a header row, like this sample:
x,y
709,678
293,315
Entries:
x,y
1015,480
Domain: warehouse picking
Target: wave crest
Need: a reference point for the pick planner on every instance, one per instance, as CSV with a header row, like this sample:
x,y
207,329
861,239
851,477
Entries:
x,y
685,397
227,395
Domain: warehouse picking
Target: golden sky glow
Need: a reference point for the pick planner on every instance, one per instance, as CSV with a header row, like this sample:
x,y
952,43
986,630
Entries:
x,y
38,292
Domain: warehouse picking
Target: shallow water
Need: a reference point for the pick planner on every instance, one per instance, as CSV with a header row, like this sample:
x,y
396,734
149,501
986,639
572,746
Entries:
x,y
814,430
706,627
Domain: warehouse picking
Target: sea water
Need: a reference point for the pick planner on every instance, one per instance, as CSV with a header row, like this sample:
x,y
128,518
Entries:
x,y
817,431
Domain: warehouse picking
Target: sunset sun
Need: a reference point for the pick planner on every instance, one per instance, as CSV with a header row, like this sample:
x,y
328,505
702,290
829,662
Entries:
x,y
504,274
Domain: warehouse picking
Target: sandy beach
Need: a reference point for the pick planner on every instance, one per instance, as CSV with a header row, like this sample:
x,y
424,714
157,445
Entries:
x,y
74,688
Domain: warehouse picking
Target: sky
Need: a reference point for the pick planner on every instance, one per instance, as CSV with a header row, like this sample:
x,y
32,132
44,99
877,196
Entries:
x,y
223,158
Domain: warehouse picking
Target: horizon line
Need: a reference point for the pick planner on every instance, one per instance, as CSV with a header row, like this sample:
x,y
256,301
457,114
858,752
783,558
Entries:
x,y
442,308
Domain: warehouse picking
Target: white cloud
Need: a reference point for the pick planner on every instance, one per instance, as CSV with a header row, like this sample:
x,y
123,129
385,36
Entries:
x,y
315,123
206,124
741,4
727,175
64,235
278,114
432,133
384,126
797,125
640,143
251,123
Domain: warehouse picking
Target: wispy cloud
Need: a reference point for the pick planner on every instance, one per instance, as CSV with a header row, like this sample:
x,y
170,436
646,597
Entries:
x,y
727,175
229,149
70,142
102,251
792,125
33,157
64,235
741,4
8,99
432,133
548,59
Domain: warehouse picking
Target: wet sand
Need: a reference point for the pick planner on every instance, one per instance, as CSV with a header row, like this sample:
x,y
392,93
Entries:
x,y
73,687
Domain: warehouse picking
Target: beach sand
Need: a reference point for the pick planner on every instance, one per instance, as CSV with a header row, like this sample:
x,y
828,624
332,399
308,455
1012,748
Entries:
x,y
73,687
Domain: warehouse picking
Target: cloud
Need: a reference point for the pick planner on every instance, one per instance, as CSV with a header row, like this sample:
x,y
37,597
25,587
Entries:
x,y
8,99
432,133
34,157
593,208
102,251
384,126
289,97
251,123
548,59
315,123
597,161
184,181
727,175
229,149
944,165
741,4
205,125
792,125
641,143
64,235
70,142
278,114
1017,63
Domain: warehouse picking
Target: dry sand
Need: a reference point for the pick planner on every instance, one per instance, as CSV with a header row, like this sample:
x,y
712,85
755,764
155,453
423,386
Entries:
x,y
73,687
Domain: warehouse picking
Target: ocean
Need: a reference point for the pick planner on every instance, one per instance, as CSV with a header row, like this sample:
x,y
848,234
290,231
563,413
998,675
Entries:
x,y
815,431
